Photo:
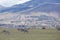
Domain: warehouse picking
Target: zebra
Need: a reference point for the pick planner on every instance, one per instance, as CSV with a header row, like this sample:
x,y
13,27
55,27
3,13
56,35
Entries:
x,y
5,32
23,29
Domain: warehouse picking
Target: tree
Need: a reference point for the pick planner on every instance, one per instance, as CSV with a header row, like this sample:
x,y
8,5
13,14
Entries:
x,y
43,27
58,27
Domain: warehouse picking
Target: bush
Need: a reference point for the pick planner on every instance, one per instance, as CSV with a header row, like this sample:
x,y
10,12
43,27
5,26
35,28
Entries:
x,y
43,28
58,27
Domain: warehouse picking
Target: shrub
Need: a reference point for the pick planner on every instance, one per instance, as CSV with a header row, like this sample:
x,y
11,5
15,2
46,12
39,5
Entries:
x,y
58,27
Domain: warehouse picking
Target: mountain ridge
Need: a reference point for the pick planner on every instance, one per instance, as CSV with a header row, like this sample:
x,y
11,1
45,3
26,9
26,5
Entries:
x,y
33,3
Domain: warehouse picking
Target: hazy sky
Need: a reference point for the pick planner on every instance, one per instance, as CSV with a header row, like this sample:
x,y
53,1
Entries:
x,y
8,3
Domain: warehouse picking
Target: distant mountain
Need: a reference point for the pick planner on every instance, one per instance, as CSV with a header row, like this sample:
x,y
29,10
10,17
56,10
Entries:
x,y
47,18
1,7
35,6
16,17
48,8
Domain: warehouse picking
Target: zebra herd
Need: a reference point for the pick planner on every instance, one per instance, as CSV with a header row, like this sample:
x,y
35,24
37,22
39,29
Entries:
x,y
24,29
21,28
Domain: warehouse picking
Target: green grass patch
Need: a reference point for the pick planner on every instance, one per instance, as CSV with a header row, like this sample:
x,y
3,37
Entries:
x,y
34,34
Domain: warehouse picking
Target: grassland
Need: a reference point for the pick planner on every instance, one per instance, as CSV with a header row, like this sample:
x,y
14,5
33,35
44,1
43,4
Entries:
x,y
34,34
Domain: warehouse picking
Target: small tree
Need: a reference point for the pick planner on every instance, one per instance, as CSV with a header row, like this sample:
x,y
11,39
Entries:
x,y
58,27
43,27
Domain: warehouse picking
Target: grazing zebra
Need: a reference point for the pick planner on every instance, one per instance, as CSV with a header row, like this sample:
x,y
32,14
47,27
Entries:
x,y
6,32
23,30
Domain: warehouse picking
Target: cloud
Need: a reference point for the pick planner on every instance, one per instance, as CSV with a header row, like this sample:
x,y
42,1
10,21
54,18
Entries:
x,y
8,3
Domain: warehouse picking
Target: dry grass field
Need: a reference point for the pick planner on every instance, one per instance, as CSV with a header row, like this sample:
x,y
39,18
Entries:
x,y
34,34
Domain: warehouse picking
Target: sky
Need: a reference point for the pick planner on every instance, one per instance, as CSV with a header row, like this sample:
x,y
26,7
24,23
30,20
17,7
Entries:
x,y
9,3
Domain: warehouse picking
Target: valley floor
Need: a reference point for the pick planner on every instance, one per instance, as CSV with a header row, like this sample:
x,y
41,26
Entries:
x,y
34,34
